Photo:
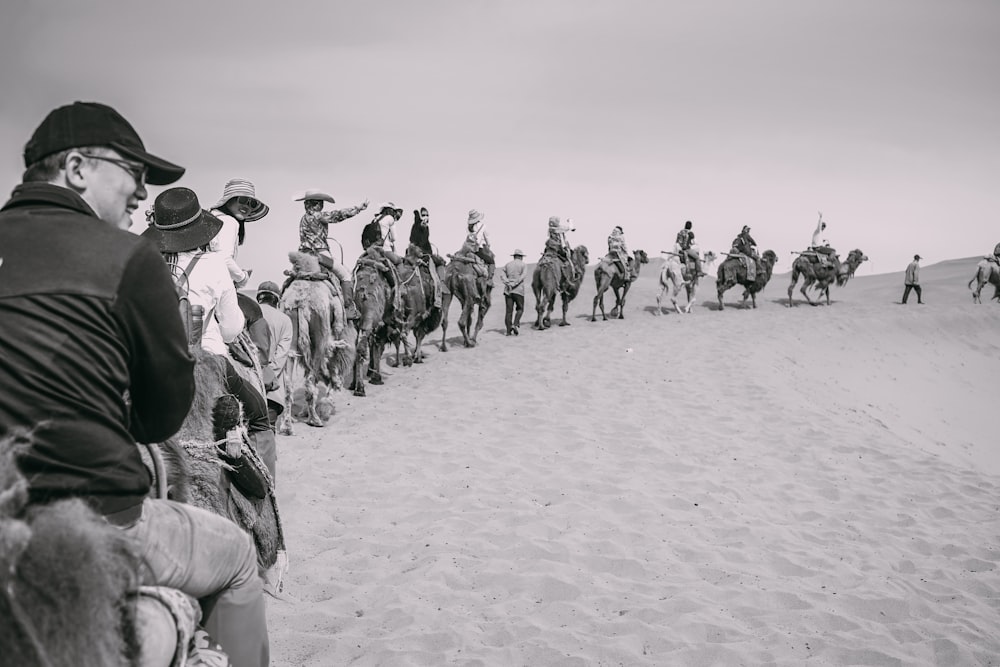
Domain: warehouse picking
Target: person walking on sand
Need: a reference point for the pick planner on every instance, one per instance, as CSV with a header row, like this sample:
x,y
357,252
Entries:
x,y
912,280
512,276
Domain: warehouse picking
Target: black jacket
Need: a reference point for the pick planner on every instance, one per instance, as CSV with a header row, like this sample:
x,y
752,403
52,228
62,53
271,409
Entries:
x,y
88,314
420,236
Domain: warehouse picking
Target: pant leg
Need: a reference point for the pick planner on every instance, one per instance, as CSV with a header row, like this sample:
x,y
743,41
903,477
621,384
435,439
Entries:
x,y
334,267
518,308
212,559
508,314
906,292
255,410
920,295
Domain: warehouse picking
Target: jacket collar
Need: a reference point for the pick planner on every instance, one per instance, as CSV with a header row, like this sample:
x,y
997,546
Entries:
x,y
46,194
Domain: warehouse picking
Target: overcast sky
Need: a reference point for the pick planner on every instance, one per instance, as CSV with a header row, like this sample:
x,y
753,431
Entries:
x,y
882,114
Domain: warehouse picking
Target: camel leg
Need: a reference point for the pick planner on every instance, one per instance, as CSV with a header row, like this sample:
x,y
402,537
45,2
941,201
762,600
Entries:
x,y
721,289
285,420
539,308
565,307
312,399
361,363
445,305
480,316
375,372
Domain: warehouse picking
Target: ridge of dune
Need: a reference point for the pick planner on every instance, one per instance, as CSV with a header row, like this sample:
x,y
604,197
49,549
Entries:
x,y
774,486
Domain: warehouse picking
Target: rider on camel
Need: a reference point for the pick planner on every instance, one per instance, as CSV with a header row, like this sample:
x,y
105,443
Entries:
x,y
744,247
819,245
420,236
314,230
618,252
558,244
686,248
996,254
477,245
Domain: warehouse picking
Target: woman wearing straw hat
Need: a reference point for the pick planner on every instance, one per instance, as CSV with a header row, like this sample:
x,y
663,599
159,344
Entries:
x,y
184,232
237,206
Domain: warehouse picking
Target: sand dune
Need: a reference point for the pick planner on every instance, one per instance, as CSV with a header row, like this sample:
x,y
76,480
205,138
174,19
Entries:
x,y
779,486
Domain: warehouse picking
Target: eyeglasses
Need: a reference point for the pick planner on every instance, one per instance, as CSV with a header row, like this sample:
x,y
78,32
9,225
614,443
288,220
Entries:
x,y
136,171
248,201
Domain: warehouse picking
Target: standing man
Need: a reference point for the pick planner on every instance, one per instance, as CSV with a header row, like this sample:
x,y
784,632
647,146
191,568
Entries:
x,y
280,326
912,280
314,232
94,357
512,276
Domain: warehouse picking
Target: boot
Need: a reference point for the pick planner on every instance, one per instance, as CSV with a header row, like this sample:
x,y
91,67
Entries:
x,y
697,267
263,443
350,309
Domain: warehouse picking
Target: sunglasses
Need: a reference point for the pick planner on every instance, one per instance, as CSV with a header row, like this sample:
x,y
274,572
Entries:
x,y
248,201
136,171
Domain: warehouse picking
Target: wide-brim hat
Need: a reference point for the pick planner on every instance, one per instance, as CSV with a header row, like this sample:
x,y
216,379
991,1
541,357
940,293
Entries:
x,y
241,187
475,217
554,221
179,223
517,253
316,195
83,124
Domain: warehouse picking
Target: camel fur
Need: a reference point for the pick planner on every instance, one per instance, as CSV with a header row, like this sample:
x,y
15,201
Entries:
x,y
607,274
68,579
419,315
320,343
733,272
550,278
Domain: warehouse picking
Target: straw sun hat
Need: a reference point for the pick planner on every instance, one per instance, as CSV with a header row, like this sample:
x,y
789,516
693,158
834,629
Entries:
x,y
241,187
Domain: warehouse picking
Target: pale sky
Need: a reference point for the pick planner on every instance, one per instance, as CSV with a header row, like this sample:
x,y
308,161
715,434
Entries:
x,y
882,114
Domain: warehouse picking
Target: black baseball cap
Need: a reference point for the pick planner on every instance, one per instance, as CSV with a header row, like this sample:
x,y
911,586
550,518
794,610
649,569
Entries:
x,y
92,124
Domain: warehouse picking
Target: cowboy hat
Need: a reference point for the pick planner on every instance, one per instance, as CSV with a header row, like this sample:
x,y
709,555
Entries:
x,y
83,124
241,187
316,195
517,253
179,223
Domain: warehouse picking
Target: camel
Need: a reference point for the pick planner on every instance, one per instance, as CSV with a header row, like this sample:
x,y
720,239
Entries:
x,y
373,295
820,277
673,276
986,272
419,315
607,274
547,280
733,272
320,344
473,292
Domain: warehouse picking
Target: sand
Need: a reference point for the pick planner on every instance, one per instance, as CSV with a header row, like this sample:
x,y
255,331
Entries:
x,y
814,485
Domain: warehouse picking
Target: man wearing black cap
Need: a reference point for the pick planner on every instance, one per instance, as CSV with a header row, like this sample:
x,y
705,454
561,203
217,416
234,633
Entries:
x,y
94,357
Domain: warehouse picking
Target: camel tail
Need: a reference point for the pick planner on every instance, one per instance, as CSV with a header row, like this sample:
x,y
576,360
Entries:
x,y
343,357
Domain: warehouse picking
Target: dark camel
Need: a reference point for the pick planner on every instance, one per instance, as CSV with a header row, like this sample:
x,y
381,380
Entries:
x,y
551,278
733,272
473,291
420,316
821,276
373,297
608,274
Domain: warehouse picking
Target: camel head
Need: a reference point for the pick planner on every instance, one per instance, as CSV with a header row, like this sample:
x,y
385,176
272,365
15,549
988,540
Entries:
x,y
769,257
581,254
850,265
642,256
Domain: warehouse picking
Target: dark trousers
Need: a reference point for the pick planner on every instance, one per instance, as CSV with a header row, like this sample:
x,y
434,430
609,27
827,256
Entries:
x,y
514,307
915,288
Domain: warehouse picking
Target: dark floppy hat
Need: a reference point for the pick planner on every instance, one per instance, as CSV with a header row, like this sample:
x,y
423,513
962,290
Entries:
x,y
84,124
180,223
917,257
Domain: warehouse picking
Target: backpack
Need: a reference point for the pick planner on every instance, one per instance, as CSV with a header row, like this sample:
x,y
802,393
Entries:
x,y
191,315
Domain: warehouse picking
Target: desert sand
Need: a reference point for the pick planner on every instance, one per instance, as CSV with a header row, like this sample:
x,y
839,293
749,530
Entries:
x,y
779,486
